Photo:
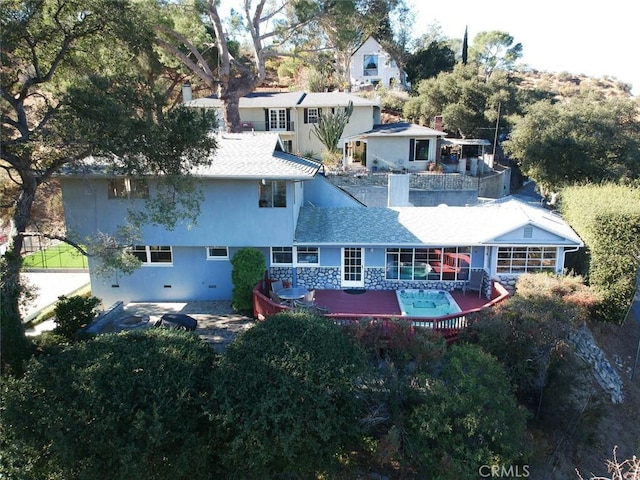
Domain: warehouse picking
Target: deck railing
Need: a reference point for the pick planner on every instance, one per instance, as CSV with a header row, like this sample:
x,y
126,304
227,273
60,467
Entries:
x,y
449,326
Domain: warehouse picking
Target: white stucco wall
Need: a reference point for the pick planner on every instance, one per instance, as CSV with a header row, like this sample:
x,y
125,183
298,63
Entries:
x,y
387,68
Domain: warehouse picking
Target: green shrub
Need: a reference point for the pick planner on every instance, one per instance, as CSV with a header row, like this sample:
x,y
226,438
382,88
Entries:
x,y
126,406
408,348
529,330
469,418
286,398
607,218
74,313
248,269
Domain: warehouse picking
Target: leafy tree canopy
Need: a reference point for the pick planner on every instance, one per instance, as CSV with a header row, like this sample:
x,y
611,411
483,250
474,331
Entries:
x,y
125,406
580,140
494,50
468,104
430,61
82,78
286,397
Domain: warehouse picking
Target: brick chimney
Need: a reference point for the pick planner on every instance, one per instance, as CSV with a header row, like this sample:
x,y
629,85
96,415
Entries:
x,y
437,122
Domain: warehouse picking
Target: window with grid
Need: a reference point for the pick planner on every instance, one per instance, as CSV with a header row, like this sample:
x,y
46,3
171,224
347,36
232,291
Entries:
x,y
272,193
516,260
451,263
352,269
313,115
277,119
153,254
281,255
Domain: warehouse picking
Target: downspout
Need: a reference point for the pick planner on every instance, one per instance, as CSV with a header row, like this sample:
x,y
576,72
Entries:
x,y
565,251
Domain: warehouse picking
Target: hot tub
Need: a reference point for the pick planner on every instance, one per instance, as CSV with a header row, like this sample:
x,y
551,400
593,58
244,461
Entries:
x,y
426,303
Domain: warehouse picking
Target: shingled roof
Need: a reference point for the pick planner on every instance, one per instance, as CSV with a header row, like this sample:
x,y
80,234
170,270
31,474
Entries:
x,y
239,155
443,225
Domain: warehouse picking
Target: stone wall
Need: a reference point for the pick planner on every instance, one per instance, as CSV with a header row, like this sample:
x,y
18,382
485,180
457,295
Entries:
x,y
606,376
329,278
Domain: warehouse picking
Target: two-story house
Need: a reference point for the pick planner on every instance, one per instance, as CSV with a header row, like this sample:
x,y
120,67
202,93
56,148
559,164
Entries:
x,y
310,232
371,65
293,114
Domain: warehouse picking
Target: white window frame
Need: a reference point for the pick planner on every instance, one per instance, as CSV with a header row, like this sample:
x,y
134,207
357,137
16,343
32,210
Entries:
x,y
278,119
418,263
415,150
127,188
309,252
267,199
374,59
313,115
534,259
149,250
352,267
217,257
282,250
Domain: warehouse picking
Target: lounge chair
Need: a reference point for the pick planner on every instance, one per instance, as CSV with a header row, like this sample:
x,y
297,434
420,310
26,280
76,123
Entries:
x,y
476,278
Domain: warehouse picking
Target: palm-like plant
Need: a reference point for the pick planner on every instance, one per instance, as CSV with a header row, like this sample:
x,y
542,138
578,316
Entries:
x,y
330,127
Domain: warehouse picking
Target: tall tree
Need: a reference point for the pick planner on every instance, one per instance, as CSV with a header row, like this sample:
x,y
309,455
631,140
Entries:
x,y
495,50
79,78
465,47
467,103
232,78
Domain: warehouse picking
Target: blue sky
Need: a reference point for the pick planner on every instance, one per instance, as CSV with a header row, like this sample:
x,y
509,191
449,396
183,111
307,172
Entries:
x,y
594,39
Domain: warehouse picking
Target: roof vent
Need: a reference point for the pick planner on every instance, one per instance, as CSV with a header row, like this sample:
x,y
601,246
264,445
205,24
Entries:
x,y
528,232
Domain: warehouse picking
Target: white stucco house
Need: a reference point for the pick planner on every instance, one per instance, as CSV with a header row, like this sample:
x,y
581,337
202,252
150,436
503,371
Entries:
x,y
372,65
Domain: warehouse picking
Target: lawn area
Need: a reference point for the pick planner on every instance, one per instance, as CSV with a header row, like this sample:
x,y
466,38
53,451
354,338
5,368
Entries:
x,y
58,256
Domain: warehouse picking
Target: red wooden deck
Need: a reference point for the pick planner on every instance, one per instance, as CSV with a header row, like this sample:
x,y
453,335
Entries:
x,y
344,307
383,302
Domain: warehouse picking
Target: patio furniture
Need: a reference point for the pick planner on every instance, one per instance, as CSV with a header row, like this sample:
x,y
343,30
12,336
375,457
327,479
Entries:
x,y
179,321
276,298
307,301
476,278
292,293
277,285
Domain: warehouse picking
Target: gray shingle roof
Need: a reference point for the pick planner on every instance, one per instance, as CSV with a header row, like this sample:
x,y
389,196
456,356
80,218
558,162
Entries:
x,y
438,226
334,99
239,155
287,100
254,155
253,100
401,129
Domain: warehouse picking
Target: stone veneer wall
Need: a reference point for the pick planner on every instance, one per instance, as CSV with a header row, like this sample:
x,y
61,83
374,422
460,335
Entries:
x,y
508,282
328,278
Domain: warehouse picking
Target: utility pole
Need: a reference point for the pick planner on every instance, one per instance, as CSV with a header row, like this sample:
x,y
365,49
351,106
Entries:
x,y
495,137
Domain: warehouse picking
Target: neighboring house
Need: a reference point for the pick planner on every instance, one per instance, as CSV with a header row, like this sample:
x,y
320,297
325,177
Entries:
x,y
371,65
293,114
395,146
311,232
